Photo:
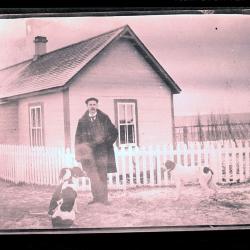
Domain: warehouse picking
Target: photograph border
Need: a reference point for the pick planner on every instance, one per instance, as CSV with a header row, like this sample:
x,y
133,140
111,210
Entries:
x,y
9,13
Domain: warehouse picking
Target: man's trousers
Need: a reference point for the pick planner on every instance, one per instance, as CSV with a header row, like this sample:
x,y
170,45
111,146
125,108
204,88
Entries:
x,y
98,180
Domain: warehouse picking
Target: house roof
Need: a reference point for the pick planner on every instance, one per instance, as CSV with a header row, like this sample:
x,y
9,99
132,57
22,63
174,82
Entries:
x,y
55,69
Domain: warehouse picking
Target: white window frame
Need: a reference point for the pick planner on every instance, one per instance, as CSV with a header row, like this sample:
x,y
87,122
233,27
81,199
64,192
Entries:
x,y
134,114
38,140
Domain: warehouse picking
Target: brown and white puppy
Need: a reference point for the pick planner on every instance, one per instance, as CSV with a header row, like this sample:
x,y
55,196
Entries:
x,y
183,174
62,208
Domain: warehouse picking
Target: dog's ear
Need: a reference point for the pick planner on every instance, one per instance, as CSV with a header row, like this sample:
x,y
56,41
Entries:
x,y
207,169
170,165
65,174
62,173
76,172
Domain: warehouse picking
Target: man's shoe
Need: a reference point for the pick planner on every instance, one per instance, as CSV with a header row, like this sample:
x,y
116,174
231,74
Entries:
x,y
106,203
92,202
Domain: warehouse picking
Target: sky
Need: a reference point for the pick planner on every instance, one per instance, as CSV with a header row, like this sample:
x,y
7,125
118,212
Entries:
x,y
208,56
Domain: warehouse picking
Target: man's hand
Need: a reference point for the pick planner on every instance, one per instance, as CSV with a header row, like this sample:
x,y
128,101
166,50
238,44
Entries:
x,y
99,140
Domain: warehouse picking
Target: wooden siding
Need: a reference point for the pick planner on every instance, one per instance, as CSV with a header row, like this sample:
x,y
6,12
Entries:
x,y
53,119
66,117
9,123
122,73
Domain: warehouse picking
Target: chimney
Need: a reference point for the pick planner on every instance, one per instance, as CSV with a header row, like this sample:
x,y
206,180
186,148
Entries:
x,y
40,46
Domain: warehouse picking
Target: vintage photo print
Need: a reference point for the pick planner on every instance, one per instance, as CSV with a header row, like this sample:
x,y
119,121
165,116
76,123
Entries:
x,y
124,122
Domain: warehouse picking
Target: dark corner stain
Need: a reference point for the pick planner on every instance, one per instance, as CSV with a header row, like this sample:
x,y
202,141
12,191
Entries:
x,y
234,205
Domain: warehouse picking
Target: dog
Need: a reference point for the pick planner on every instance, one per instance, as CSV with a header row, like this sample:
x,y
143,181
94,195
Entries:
x,y
183,174
63,207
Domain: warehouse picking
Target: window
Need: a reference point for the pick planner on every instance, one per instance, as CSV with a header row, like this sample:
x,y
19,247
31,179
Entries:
x,y
36,125
126,112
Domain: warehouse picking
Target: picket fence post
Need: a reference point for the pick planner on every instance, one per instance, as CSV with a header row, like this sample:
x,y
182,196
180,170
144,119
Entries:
x,y
164,159
241,163
151,165
144,166
247,159
124,177
158,165
185,154
137,154
119,169
214,161
192,154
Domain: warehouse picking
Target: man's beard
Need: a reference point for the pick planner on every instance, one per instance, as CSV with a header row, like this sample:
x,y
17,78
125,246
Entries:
x,y
92,111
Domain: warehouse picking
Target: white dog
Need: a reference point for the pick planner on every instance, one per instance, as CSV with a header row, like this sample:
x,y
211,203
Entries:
x,y
183,174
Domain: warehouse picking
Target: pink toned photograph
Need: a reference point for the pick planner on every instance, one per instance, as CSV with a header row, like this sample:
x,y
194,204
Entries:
x,y
124,122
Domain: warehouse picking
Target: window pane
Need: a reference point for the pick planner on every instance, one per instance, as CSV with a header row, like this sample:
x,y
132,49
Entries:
x,y
122,134
130,113
38,114
121,113
33,137
33,118
39,137
131,134
36,123
127,122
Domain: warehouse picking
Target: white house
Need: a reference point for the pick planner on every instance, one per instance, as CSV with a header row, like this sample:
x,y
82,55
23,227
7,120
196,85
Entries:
x,y
43,98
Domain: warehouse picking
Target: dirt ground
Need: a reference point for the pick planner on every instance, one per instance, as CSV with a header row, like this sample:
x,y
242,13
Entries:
x,y
25,207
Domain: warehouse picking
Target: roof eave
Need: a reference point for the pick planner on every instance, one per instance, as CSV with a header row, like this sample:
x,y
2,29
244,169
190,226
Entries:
x,y
33,93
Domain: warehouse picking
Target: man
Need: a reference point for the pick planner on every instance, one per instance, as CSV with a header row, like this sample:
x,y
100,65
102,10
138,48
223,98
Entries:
x,y
94,139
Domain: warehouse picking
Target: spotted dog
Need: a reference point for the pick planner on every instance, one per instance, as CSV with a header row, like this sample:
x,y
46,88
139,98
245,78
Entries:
x,y
62,208
183,174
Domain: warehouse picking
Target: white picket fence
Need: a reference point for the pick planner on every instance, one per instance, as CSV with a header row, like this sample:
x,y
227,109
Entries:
x,y
135,166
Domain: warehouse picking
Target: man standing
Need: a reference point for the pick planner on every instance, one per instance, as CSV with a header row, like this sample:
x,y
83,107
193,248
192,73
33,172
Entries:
x,y
94,139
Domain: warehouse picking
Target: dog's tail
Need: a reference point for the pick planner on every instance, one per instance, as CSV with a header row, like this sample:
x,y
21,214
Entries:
x,y
170,166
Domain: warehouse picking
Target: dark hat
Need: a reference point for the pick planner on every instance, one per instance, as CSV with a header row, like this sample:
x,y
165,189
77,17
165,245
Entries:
x,y
91,99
